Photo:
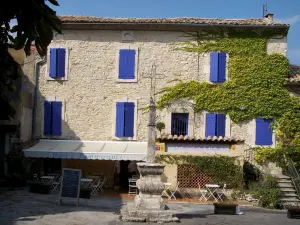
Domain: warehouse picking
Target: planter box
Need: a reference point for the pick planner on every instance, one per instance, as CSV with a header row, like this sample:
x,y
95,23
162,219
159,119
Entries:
x,y
85,193
293,212
228,209
37,187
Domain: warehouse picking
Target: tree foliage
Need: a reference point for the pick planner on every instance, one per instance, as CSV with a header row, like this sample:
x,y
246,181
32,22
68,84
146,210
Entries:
x,y
35,22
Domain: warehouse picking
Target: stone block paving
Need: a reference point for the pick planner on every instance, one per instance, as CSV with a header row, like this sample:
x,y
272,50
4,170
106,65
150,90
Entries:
x,y
22,208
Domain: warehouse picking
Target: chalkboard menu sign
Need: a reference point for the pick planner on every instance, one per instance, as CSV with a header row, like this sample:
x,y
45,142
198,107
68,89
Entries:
x,y
70,184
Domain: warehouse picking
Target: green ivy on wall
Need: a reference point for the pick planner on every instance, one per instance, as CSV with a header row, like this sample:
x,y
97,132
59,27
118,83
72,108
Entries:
x,y
254,88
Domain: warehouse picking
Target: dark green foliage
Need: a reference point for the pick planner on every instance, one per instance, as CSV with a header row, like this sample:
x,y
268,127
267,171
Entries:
x,y
35,22
266,191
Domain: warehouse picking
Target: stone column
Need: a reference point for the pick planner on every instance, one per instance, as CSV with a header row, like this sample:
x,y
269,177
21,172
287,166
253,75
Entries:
x,y
148,204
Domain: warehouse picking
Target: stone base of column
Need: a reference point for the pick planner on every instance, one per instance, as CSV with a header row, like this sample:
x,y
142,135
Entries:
x,y
132,214
148,205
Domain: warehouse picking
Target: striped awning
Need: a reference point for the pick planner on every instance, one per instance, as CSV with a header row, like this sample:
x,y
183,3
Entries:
x,y
76,149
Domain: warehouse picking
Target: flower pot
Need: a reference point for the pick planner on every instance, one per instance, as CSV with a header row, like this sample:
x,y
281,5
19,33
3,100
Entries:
x,y
228,209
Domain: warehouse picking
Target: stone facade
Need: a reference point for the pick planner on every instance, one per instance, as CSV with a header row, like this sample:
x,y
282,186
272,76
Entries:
x,y
91,87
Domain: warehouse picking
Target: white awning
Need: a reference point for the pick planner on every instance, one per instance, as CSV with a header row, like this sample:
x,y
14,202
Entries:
x,y
75,149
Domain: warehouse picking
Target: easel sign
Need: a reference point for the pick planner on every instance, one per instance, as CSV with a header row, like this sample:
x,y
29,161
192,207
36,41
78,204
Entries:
x,y
70,184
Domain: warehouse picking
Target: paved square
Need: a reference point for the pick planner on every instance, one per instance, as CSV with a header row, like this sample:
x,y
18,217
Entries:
x,y
23,208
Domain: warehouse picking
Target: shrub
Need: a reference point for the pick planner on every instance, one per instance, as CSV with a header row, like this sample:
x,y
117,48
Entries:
x,y
266,191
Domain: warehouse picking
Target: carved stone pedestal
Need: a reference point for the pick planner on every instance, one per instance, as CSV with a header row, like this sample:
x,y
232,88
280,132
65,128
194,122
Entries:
x,y
148,205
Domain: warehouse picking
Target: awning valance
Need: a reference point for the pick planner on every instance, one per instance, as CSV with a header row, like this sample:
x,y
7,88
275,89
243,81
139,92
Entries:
x,y
75,149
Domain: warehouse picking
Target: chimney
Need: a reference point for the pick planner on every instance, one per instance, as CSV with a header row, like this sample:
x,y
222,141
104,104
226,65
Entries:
x,y
269,16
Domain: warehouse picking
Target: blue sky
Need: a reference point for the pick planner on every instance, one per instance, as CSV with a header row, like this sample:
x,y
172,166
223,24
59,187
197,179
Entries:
x,y
286,11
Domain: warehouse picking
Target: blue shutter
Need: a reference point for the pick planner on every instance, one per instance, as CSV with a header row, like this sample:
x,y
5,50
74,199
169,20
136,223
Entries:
x,y
120,119
210,125
130,64
47,118
53,60
214,65
221,124
264,134
129,119
61,53
222,67
126,64
56,118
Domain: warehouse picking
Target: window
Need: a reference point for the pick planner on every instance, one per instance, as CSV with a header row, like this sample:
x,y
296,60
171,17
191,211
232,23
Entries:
x,y
215,125
263,134
125,119
52,118
57,63
127,65
179,124
217,66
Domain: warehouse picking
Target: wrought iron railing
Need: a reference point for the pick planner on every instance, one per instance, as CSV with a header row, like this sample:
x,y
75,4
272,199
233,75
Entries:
x,y
293,173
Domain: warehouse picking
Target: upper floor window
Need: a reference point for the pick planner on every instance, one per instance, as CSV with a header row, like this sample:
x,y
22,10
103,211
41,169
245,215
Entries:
x,y
125,119
215,125
52,118
263,134
179,124
127,64
57,63
217,67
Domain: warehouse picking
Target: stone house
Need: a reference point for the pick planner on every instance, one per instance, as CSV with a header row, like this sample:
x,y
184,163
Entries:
x,y
95,83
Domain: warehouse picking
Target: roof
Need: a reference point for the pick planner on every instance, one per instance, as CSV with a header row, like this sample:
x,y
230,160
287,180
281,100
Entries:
x,y
182,138
175,21
294,75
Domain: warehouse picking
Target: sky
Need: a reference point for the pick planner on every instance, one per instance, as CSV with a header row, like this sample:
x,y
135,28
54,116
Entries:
x,y
285,11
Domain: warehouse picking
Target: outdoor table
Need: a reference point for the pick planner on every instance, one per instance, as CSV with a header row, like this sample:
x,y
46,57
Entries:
x,y
165,191
212,189
47,179
86,182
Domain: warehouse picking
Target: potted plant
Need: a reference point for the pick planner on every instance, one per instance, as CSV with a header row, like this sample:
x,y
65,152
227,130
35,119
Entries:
x,y
228,208
160,126
39,187
85,193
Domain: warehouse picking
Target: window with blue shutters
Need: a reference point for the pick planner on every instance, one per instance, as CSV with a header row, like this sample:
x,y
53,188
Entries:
x,y
179,124
264,133
127,64
57,63
52,118
217,67
215,125
125,119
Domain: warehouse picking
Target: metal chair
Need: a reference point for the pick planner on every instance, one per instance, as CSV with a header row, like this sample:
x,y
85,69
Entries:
x,y
221,193
203,193
96,186
55,186
133,190
173,192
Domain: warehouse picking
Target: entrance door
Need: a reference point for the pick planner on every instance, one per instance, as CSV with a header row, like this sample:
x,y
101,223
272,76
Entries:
x,y
124,174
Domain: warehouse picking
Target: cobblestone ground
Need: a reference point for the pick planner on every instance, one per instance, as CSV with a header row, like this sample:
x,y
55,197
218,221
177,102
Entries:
x,y
23,208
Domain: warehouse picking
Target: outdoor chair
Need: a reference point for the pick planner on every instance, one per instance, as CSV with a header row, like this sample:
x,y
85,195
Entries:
x,y
103,184
56,184
221,192
203,193
35,177
132,187
96,186
173,192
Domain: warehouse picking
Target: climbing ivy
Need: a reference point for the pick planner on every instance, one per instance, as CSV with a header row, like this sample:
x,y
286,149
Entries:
x,y
255,86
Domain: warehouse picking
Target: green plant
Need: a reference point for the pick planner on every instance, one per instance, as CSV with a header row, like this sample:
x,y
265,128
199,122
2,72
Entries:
x,y
221,169
160,126
266,191
255,88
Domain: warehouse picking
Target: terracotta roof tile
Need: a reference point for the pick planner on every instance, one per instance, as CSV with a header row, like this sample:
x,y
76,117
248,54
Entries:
x,y
183,20
199,139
